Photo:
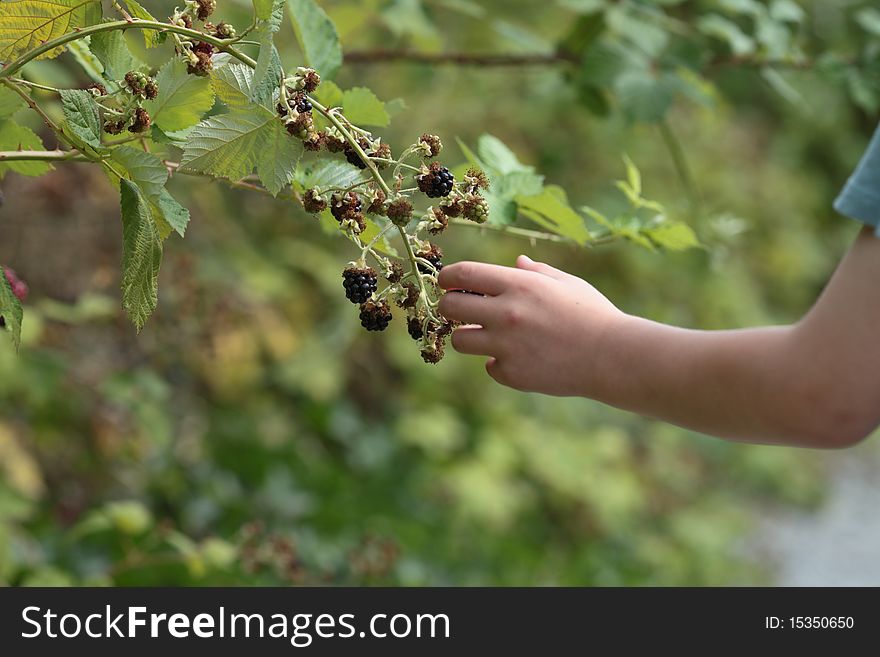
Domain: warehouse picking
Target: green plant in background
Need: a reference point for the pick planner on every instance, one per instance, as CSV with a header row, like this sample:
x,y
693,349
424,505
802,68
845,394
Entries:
x,y
252,435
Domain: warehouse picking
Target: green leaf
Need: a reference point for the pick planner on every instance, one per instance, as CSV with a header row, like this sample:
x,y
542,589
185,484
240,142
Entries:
x,y
277,160
26,24
232,83
647,37
267,75
324,173
16,137
552,211
361,107
81,112
183,99
10,102
644,96
90,64
726,30
231,145
169,214
152,38
263,8
869,20
144,169
112,51
673,236
329,94
10,309
141,255
496,155
317,37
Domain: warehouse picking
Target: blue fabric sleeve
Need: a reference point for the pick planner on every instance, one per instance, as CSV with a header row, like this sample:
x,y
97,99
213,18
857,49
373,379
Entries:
x,y
860,199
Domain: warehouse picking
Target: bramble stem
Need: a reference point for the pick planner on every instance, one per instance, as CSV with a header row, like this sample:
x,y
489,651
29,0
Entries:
x,y
676,152
43,156
223,45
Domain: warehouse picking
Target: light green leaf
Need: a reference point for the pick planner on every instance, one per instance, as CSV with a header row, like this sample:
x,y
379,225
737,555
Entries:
x,y
633,176
112,51
232,83
277,160
648,37
231,145
673,236
552,211
869,19
329,94
144,169
644,96
183,99
10,309
361,107
90,64
317,37
267,75
15,137
151,37
141,255
496,155
726,30
263,9
10,102
324,173
81,112
26,24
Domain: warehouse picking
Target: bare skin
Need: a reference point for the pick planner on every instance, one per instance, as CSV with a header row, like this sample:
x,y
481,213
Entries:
x,y
815,383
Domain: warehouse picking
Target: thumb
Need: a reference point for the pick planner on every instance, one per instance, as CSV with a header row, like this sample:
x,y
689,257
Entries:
x,y
525,262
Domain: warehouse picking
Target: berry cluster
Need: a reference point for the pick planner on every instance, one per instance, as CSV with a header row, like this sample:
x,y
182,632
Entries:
x,y
199,54
360,283
347,210
435,181
127,112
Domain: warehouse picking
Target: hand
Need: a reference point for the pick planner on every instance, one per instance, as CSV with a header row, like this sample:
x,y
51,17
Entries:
x,y
542,328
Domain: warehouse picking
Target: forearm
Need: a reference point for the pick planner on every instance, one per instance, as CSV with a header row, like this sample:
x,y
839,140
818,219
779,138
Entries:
x,y
746,385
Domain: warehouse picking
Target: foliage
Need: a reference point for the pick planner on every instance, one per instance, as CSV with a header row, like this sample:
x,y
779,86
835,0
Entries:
x,y
251,435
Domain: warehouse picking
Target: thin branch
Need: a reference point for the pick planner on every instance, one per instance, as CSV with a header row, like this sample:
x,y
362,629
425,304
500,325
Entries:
x,y
458,58
43,156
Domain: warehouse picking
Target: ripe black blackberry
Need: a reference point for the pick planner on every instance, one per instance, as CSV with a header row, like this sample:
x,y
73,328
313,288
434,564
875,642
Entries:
x,y
359,284
302,104
433,255
375,316
352,155
436,182
346,206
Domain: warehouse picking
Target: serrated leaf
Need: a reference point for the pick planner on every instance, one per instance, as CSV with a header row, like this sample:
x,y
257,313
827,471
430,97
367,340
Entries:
x,y
267,75
329,94
26,24
112,51
81,112
144,169
263,8
361,107
16,137
141,255
230,145
551,210
90,64
232,84
277,160
673,236
169,214
10,310
317,37
152,38
325,173
183,99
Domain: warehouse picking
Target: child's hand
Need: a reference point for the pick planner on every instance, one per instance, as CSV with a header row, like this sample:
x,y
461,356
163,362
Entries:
x,y
541,327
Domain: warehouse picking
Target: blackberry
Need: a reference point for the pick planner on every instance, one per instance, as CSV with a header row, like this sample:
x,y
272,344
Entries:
x,y
452,207
438,221
302,104
310,80
315,141
97,89
377,203
114,127
430,145
135,82
224,30
151,89
436,182
414,328
400,211
301,126
475,179
394,273
383,152
375,316
353,158
412,296
433,354
200,59
334,144
313,201
359,284
205,8
142,121
433,255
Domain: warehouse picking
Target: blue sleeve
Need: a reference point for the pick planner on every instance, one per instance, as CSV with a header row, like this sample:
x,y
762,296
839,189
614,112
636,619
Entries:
x,y
860,199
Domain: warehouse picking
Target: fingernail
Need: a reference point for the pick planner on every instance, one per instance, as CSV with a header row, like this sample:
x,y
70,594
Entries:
x,y
526,257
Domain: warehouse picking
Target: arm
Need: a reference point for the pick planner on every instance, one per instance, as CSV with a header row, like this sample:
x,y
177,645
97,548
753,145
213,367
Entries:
x,y
813,384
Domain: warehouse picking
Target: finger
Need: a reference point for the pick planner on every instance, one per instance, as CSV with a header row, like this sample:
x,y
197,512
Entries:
x,y
476,277
494,370
468,308
525,262
475,341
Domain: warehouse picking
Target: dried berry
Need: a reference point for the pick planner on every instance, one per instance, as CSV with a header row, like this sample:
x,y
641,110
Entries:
x,y
345,206
359,283
377,203
394,273
205,8
97,89
438,221
313,201
410,297
433,354
400,211
382,152
334,144
475,179
375,315
141,122
311,80
436,181
114,127
434,256
430,145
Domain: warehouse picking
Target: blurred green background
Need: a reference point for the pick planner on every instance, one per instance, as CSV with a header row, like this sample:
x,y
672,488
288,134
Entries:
x,y
253,434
